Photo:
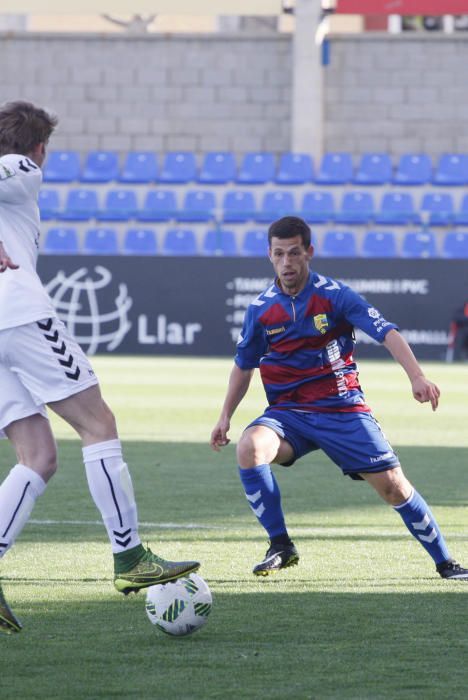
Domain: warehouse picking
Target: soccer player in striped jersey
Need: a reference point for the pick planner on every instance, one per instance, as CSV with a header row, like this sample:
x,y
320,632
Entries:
x,y
41,364
299,332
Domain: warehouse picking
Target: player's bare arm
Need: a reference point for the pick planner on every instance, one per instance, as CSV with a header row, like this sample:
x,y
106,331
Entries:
x,y
6,263
239,382
423,389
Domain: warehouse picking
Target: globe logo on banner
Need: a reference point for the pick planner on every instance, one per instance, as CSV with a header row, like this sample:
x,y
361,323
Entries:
x,y
93,316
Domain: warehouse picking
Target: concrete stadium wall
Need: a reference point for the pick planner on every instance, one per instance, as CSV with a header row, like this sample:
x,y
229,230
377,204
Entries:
x,y
202,92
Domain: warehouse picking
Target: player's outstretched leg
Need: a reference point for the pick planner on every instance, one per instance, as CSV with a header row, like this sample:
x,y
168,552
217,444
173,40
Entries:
x,y
140,568
279,555
9,623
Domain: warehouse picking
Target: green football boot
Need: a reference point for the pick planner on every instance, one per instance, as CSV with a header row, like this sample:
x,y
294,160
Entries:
x,y
8,622
151,570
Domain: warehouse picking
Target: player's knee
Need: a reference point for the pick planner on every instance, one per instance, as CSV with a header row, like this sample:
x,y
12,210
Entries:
x,y
42,461
251,451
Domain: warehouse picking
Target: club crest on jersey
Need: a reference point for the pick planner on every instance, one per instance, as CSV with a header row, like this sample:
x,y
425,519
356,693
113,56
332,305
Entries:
x,y
321,323
5,172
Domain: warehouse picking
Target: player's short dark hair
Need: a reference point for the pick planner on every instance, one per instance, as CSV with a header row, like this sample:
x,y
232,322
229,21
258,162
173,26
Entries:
x,y
23,127
288,227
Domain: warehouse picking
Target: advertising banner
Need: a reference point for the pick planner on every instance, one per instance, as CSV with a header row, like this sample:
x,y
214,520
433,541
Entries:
x,y
402,7
195,306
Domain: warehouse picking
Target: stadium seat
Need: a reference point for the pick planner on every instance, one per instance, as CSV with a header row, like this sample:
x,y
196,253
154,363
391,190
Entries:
x,y
179,241
374,169
238,206
139,167
419,244
455,244
100,166
80,205
295,169
356,208
379,244
452,169
140,241
100,241
318,207
120,205
413,169
199,205
159,205
275,204
179,167
257,169
461,217
218,168
49,203
396,208
437,208
255,243
335,169
61,241
219,242
339,244
62,166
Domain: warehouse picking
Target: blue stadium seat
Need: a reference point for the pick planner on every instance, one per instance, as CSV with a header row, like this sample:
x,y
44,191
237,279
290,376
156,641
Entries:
x,y
81,205
396,208
339,244
100,166
159,205
139,167
179,167
318,207
62,166
335,169
49,203
61,241
419,244
461,217
374,169
120,205
455,244
356,208
101,241
218,168
413,169
379,244
219,242
438,208
275,204
452,169
199,205
255,243
140,241
179,241
295,169
238,206
257,169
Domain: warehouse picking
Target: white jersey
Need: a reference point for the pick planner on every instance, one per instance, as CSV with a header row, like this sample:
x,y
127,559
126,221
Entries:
x,y
23,298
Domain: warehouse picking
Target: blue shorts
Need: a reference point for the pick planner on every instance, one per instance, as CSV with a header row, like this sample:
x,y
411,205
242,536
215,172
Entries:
x,y
354,441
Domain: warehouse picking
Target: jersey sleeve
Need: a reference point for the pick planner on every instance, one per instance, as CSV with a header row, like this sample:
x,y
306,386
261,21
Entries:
x,y
20,179
252,343
363,315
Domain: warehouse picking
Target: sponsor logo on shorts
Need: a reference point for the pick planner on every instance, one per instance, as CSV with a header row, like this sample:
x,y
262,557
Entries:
x,y
381,458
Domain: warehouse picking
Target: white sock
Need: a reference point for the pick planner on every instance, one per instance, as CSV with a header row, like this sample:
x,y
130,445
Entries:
x,y
111,488
18,495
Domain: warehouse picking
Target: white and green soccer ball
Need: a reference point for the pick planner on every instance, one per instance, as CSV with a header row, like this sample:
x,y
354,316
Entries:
x,y
179,607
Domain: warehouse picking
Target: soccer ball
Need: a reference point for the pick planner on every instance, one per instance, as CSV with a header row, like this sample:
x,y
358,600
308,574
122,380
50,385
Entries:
x,y
179,607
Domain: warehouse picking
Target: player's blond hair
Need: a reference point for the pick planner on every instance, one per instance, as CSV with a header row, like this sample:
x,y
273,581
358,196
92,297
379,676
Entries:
x,y
23,127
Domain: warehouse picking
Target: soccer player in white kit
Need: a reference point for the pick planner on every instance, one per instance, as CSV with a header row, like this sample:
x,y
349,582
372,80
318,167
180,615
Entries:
x,y
42,365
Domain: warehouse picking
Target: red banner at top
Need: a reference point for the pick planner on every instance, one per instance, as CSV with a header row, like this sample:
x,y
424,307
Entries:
x,y
402,7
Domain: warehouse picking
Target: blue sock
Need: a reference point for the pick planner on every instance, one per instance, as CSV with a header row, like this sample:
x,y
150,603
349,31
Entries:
x,y
423,526
263,495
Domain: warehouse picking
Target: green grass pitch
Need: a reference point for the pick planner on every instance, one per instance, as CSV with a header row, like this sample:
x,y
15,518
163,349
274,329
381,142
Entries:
x,y
363,617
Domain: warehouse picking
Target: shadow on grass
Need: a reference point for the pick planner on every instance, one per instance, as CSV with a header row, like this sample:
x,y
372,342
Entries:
x,y
256,645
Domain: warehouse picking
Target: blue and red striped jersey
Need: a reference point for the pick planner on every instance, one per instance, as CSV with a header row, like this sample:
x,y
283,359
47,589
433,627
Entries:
x,y
304,345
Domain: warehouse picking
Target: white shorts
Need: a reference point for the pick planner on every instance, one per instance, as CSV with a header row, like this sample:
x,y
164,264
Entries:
x,y
39,363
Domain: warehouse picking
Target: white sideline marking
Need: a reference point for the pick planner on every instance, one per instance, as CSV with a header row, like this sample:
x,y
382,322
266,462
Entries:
x,y
318,531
